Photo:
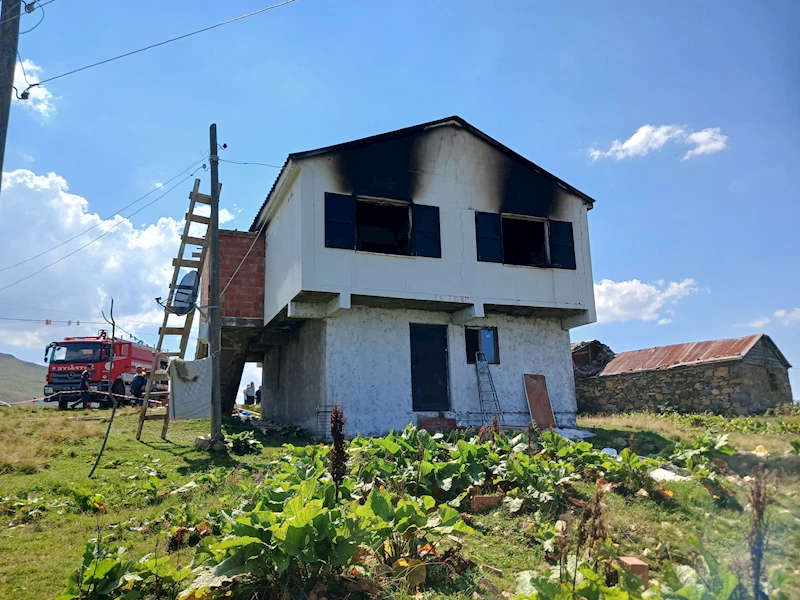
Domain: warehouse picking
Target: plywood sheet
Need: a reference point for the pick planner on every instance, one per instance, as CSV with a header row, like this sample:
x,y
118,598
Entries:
x,y
539,401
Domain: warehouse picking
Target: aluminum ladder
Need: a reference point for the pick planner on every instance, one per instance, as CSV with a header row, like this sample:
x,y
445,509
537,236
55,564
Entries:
x,y
486,390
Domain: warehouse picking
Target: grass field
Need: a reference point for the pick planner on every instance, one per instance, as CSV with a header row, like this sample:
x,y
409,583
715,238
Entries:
x,y
51,509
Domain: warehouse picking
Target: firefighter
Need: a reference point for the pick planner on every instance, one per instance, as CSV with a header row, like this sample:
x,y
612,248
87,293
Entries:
x,y
86,386
137,385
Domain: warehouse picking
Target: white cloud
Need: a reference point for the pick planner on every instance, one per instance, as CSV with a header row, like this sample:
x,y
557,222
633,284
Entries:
x,y
41,100
755,323
788,317
649,138
635,300
131,264
225,216
707,141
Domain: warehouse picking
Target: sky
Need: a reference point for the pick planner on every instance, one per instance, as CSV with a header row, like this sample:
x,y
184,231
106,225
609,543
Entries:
x,y
679,118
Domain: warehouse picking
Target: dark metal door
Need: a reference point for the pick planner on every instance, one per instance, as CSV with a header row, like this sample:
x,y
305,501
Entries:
x,y
429,389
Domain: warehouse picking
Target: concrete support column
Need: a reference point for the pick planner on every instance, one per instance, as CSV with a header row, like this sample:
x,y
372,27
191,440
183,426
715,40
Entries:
x,y
231,369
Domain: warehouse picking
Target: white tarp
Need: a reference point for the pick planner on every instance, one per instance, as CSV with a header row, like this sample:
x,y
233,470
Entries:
x,y
191,399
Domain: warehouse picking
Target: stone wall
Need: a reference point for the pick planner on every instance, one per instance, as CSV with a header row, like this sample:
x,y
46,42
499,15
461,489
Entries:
x,y
724,388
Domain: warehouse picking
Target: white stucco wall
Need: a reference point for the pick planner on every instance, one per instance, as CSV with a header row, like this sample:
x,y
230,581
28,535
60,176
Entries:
x,y
452,181
283,255
368,367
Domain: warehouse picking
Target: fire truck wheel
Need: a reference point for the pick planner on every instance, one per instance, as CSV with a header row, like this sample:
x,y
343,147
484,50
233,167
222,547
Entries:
x,y
63,404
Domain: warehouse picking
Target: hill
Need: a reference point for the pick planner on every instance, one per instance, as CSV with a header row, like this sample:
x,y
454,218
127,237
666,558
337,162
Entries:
x,y
20,380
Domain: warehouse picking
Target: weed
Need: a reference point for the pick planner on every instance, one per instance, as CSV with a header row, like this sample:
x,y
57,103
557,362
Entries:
x,y
760,499
337,456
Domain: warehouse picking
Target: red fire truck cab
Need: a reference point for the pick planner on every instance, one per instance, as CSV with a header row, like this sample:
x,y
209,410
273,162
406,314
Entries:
x,y
111,363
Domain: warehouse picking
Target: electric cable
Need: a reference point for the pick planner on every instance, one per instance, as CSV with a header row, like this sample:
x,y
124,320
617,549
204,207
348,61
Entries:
x,y
175,39
37,24
112,228
239,162
118,211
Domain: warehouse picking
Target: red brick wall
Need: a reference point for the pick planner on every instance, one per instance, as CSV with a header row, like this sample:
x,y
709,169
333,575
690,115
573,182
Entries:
x,y
245,295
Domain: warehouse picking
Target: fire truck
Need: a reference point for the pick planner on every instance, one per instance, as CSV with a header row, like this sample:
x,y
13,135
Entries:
x,y
111,363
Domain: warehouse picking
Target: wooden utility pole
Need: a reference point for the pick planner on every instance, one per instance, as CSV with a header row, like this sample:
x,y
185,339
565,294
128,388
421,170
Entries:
x,y
9,38
215,333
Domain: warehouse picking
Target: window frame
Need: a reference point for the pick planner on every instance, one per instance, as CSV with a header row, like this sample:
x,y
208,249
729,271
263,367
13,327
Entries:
x,y
545,242
386,202
496,339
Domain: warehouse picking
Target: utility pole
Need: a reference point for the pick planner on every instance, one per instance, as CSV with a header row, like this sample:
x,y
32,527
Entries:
x,y
9,38
215,334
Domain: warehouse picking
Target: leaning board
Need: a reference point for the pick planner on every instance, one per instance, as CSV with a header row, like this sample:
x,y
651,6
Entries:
x,y
539,401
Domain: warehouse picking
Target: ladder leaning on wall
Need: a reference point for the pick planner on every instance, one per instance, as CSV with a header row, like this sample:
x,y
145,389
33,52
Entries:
x,y
487,394
183,331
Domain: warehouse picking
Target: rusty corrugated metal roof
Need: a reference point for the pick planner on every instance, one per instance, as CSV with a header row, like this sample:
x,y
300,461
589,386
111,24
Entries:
x,y
678,355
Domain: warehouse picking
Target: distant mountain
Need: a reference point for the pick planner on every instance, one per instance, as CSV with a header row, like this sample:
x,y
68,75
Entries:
x,y
20,380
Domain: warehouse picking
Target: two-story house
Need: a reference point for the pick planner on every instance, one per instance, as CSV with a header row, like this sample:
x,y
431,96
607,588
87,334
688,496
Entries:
x,y
390,261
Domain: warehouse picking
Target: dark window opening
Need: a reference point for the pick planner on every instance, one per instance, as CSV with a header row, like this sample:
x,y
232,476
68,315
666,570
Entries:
x,y
774,383
524,242
482,339
383,228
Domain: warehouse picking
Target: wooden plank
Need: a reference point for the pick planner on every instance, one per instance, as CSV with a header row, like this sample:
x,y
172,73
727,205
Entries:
x,y
195,241
158,376
185,262
201,198
198,219
155,417
170,353
171,331
197,254
539,401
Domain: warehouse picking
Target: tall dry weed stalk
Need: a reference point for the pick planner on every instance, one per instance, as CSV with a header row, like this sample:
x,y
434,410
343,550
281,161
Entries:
x,y
337,457
760,499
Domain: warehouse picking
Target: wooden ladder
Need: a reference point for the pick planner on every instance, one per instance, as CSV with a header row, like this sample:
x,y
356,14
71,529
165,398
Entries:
x,y
183,330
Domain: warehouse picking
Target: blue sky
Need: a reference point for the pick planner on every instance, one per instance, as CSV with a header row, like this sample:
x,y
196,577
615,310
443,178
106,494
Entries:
x,y
553,81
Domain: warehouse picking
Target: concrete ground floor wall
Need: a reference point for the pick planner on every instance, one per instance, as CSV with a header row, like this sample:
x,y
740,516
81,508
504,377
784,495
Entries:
x,y
360,358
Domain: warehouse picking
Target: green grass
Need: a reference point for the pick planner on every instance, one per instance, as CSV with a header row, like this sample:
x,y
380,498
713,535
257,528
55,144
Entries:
x,y
44,454
37,557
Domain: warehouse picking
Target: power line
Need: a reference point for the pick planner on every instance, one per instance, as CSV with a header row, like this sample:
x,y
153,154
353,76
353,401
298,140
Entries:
x,y
17,14
37,24
112,228
239,162
76,314
85,231
175,39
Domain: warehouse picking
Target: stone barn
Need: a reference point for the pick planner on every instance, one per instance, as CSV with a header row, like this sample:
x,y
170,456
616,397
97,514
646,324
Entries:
x,y
735,377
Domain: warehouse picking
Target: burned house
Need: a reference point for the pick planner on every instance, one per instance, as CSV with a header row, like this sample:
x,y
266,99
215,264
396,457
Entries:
x,y
736,377
381,266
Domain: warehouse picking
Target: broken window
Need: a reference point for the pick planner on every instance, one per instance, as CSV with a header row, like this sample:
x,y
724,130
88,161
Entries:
x,y
381,226
524,242
482,339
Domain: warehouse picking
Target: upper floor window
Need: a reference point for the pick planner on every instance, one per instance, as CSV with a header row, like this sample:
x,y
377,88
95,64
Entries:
x,y
524,241
382,226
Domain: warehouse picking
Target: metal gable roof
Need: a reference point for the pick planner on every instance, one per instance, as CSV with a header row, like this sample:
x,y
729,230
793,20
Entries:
x,y
678,355
454,120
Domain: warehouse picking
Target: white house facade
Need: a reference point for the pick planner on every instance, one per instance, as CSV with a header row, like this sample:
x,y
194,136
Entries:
x,y
391,261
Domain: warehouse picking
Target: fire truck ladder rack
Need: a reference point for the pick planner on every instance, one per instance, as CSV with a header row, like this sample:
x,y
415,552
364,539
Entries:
x,y
197,260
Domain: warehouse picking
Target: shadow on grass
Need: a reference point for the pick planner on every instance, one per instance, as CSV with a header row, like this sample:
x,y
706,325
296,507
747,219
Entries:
x,y
645,443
